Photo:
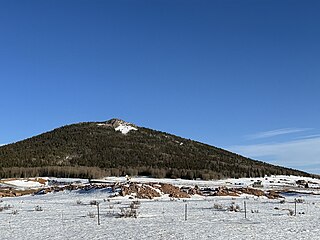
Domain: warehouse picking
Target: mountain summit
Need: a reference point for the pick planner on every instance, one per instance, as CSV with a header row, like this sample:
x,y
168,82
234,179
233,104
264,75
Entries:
x,y
119,125
116,147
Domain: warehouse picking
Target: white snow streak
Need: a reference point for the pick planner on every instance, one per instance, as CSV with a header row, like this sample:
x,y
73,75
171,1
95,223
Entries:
x,y
124,129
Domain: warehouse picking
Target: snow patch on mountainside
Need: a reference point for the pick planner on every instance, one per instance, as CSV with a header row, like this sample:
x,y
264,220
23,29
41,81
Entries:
x,y
124,129
119,125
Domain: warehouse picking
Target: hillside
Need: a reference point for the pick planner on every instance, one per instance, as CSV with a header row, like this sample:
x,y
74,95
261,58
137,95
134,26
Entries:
x,y
115,147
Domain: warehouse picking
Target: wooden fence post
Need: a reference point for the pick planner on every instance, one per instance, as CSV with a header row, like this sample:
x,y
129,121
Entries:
x,y
245,209
98,208
185,212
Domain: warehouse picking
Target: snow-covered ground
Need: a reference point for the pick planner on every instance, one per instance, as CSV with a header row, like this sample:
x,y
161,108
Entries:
x,y
24,183
270,182
63,217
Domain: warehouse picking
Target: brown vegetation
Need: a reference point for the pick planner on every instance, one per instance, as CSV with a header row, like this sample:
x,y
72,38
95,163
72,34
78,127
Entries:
x,y
173,191
139,190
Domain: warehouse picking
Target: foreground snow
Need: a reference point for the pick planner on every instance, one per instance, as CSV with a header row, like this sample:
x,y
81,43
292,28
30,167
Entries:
x,y
24,183
64,218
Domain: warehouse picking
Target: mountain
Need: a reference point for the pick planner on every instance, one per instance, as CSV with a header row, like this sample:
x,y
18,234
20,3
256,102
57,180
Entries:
x,y
116,147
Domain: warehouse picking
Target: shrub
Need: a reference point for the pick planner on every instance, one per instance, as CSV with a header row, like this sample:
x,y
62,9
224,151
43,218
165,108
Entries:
x,y
291,212
128,212
94,202
300,200
135,205
7,207
234,208
217,206
91,215
38,208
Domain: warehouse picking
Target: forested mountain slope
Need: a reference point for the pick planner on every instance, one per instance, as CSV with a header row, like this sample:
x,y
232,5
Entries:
x,y
115,147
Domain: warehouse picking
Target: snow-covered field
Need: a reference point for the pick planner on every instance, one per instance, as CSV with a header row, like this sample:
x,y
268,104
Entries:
x,y
69,215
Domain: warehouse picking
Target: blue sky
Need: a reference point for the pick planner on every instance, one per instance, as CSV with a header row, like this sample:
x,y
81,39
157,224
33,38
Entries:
x,y
241,75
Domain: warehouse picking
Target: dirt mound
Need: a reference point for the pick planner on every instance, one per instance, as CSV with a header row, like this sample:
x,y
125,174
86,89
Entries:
x,y
173,191
148,191
41,181
141,191
253,191
273,195
16,193
193,191
226,192
257,192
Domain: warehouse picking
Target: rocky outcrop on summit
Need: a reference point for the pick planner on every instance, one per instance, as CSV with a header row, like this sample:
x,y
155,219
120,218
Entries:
x,y
119,125
115,122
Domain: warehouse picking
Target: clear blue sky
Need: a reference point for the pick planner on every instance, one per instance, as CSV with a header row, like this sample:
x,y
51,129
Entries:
x,y
242,75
